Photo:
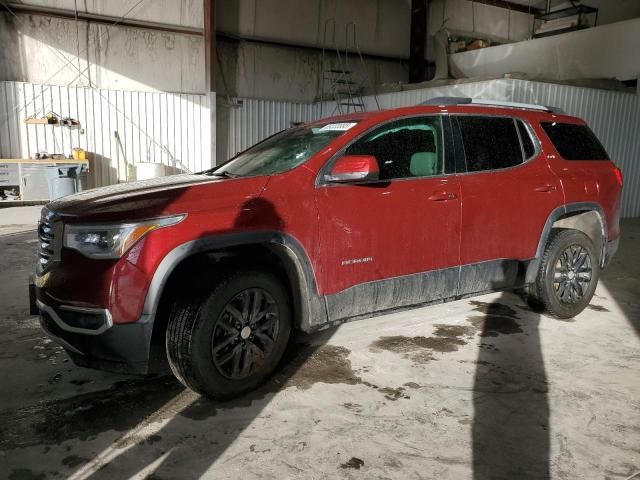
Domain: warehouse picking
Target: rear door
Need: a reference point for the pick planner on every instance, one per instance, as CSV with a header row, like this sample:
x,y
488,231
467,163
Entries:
x,y
509,192
584,168
379,240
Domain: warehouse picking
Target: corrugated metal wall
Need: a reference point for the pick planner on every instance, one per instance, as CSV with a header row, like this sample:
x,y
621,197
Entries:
x,y
495,89
245,122
166,128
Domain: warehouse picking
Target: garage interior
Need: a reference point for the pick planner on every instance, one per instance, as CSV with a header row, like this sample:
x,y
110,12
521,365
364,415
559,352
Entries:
x,y
96,93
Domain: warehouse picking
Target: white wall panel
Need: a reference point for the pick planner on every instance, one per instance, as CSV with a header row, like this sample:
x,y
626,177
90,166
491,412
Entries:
x,y
166,128
472,17
609,51
250,121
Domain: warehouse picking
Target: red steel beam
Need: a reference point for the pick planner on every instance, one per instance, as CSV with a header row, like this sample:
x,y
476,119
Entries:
x,y
210,44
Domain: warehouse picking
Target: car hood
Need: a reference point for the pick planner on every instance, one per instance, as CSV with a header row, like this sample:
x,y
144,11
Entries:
x,y
157,197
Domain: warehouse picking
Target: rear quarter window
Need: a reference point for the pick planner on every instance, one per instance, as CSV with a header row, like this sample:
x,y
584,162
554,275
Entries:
x,y
575,142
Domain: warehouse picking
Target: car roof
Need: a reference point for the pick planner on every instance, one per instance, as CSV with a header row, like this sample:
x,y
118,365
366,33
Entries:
x,y
375,116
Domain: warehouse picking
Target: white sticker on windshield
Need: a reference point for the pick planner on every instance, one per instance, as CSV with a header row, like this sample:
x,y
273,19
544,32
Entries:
x,y
341,127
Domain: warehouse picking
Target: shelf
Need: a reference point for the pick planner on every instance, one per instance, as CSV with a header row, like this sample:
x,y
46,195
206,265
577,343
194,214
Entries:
x,y
567,12
43,161
22,203
32,176
71,123
555,23
560,31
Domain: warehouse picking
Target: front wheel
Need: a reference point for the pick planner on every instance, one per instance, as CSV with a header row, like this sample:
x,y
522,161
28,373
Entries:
x,y
568,274
229,341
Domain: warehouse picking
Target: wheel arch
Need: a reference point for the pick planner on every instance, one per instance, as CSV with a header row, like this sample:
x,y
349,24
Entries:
x,y
308,306
586,217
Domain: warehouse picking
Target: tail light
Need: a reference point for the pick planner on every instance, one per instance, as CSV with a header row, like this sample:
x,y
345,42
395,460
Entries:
x,y
618,173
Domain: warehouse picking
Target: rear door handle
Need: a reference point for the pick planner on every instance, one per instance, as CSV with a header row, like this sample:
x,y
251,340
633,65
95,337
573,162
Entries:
x,y
546,188
442,197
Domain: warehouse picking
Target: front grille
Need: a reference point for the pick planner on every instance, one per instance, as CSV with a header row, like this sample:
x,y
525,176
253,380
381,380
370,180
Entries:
x,y
49,235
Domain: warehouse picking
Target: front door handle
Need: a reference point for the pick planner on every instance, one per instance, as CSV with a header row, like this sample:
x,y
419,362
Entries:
x,y
546,188
442,197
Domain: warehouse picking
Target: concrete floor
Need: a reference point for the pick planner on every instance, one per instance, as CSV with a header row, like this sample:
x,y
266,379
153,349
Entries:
x,y
481,388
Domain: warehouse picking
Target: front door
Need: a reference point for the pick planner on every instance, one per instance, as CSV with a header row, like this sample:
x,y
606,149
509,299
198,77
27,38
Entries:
x,y
394,242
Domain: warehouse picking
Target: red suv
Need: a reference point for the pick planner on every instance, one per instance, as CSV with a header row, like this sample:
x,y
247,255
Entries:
x,y
322,223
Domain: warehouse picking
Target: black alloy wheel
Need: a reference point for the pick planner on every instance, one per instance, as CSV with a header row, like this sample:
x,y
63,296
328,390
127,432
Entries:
x,y
244,334
567,274
226,337
573,274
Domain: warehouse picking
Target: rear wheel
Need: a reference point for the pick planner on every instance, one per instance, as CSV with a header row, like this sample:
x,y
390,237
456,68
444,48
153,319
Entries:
x,y
228,341
567,276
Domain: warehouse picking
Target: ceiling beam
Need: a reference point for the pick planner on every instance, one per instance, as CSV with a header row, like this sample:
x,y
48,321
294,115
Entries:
x,y
171,28
98,18
516,7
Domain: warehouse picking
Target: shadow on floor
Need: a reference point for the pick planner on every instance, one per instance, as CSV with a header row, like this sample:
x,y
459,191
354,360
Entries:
x,y
112,425
510,430
622,277
179,445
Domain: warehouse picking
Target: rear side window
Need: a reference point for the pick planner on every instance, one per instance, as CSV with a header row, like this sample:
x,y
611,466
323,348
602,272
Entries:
x,y
575,142
490,143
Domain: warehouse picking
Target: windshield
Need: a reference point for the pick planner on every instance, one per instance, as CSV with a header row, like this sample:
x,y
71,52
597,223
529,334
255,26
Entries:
x,y
283,151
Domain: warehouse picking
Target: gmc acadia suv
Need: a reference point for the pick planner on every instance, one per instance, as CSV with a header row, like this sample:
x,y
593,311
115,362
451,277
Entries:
x,y
322,223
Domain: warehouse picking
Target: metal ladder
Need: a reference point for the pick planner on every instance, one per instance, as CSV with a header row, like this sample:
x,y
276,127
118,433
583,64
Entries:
x,y
341,83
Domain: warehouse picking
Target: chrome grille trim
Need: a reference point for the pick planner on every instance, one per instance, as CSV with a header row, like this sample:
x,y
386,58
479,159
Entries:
x,y
103,312
50,236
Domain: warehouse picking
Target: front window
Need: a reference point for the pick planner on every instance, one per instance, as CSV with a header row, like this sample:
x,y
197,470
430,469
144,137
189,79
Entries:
x,y
283,151
405,148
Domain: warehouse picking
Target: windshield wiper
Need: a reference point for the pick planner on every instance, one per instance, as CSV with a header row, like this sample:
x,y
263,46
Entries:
x,y
224,173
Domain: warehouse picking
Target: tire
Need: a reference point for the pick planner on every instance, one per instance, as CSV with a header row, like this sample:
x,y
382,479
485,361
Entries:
x,y
557,291
216,350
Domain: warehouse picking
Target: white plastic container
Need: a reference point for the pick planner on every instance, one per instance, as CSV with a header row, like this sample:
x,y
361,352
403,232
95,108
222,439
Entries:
x,y
145,171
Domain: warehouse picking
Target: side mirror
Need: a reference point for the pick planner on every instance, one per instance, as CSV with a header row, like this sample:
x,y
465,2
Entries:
x,y
354,168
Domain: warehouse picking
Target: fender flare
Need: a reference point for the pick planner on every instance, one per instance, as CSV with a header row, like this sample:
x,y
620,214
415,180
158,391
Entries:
x,y
309,305
556,214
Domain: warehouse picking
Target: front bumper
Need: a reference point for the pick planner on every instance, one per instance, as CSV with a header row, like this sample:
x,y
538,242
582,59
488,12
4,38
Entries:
x,y
116,348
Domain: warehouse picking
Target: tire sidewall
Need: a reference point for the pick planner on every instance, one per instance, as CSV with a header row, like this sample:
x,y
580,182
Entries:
x,y
204,368
555,306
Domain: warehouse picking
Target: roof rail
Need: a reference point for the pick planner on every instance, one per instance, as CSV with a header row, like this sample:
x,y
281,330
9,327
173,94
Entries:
x,y
494,103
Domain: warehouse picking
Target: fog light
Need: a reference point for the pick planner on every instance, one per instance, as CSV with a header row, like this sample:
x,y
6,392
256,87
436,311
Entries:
x,y
82,319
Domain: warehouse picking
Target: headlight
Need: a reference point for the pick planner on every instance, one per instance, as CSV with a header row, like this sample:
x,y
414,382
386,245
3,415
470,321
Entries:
x,y
112,240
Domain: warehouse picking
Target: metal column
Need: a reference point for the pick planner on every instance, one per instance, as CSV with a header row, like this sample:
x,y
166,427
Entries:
x,y
418,45
210,68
